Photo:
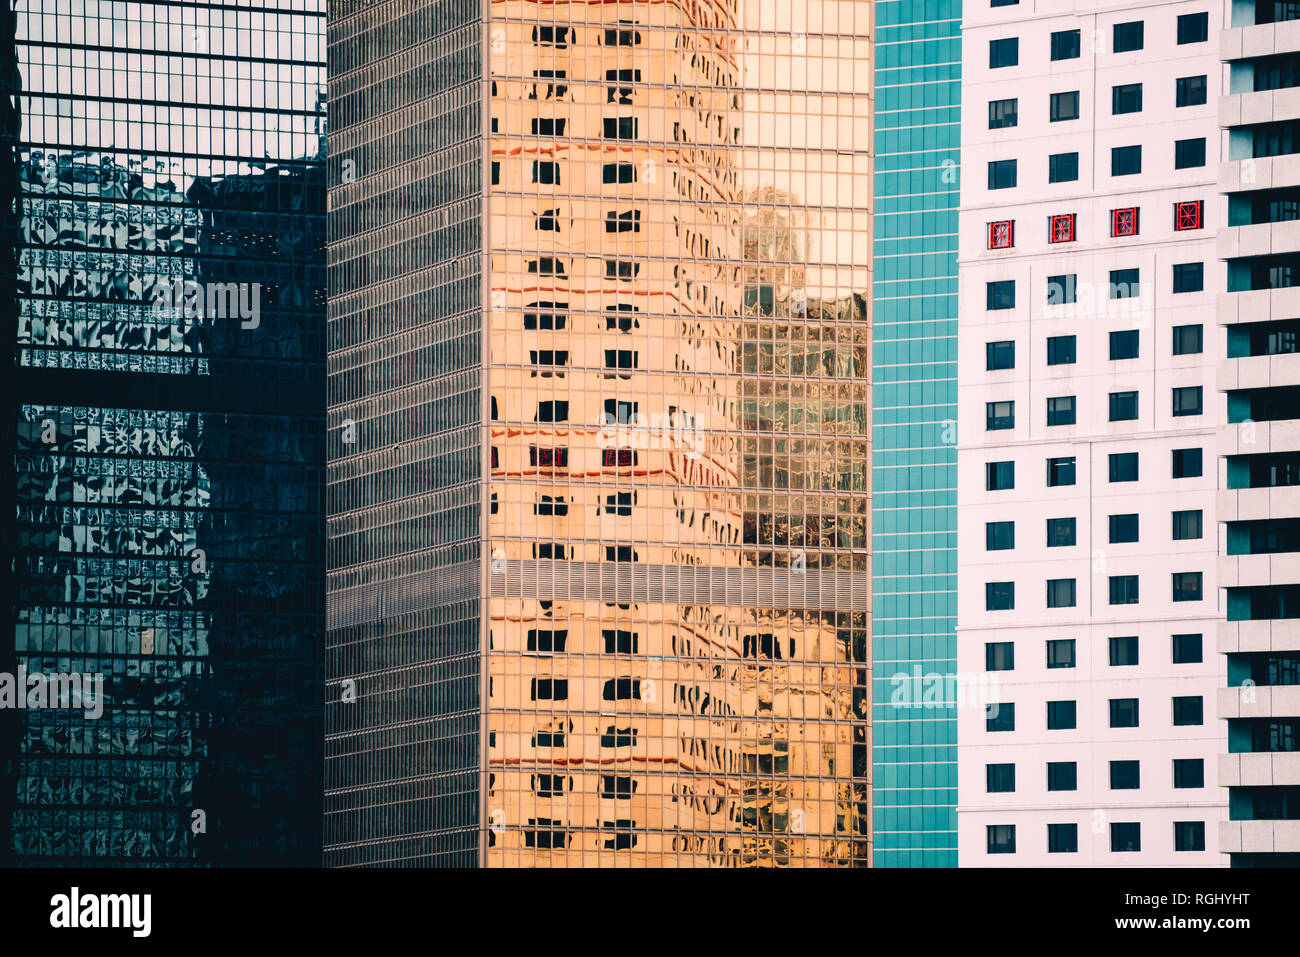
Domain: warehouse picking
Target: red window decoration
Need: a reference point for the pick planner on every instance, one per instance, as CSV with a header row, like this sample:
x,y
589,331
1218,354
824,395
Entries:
x,y
1060,229
548,458
1189,215
617,458
1002,235
1124,222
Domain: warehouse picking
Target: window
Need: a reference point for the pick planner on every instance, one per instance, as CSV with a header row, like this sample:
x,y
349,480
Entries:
x,y
1060,653
620,503
999,536
1193,28
1188,710
1061,593
1060,471
1060,229
999,656
1123,466
617,786
1123,589
626,222
1060,410
1123,406
1001,778
1064,106
556,410
542,640
1065,45
1002,113
551,505
622,412
548,458
1000,717
999,596
1125,160
618,173
553,36
546,172
619,641
1127,37
1000,355
999,415
1187,649
1189,91
1063,167
1062,838
1187,586
1189,154
1060,532
1189,215
999,476
496,173
1126,98
1124,345
550,689
621,269
1062,776
1123,712
1126,837
1061,289
1002,174
621,689
1125,283
1188,340
1125,775
1123,528
1124,651
1002,235
1189,277
1124,222
1061,716
622,37
548,126
1002,838
618,318
620,359
1186,463
547,315
618,458
621,94
1061,350
553,90
1189,772
620,127
1187,400
1003,3
1187,525
1000,295
1004,52
1189,835
548,220
616,737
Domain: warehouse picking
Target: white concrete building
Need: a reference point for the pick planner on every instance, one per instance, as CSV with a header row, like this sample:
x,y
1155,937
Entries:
x,y
1088,413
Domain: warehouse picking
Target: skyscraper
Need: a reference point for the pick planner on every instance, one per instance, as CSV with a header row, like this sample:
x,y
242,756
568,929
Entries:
x,y
599,481
168,378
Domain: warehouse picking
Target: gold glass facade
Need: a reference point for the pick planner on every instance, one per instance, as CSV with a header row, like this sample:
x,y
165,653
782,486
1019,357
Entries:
x,y
677,495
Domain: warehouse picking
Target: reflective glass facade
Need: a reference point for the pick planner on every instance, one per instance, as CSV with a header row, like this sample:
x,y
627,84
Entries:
x,y
918,126
168,429
651,624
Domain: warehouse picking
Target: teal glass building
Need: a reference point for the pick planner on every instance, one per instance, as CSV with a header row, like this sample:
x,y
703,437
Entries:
x,y
914,512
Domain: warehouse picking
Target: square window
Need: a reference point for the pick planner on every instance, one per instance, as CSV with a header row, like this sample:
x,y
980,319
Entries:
x,y
1125,283
1002,235
1189,835
1001,778
999,656
1187,400
1123,345
1062,776
1188,710
1126,837
1000,355
1188,340
1189,277
1123,651
1062,838
1065,45
1063,168
1124,528
1125,160
1064,106
1060,532
1123,589
1187,586
1193,28
1002,838
1000,295
1126,98
1124,222
1189,772
999,536
1187,525
1062,716
1189,154
1186,463
1060,653
1060,471
1123,466
1004,53
1189,91
1002,174
1000,717
1189,215
1060,410
1127,36
999,476
1061,289
1060,229
1187,649
999,596
1125,775
1123,406
1061,593
1003,113
1123,712
999,416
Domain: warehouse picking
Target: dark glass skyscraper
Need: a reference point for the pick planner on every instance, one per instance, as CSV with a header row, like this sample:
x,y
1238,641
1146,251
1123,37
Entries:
x,y
167,348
